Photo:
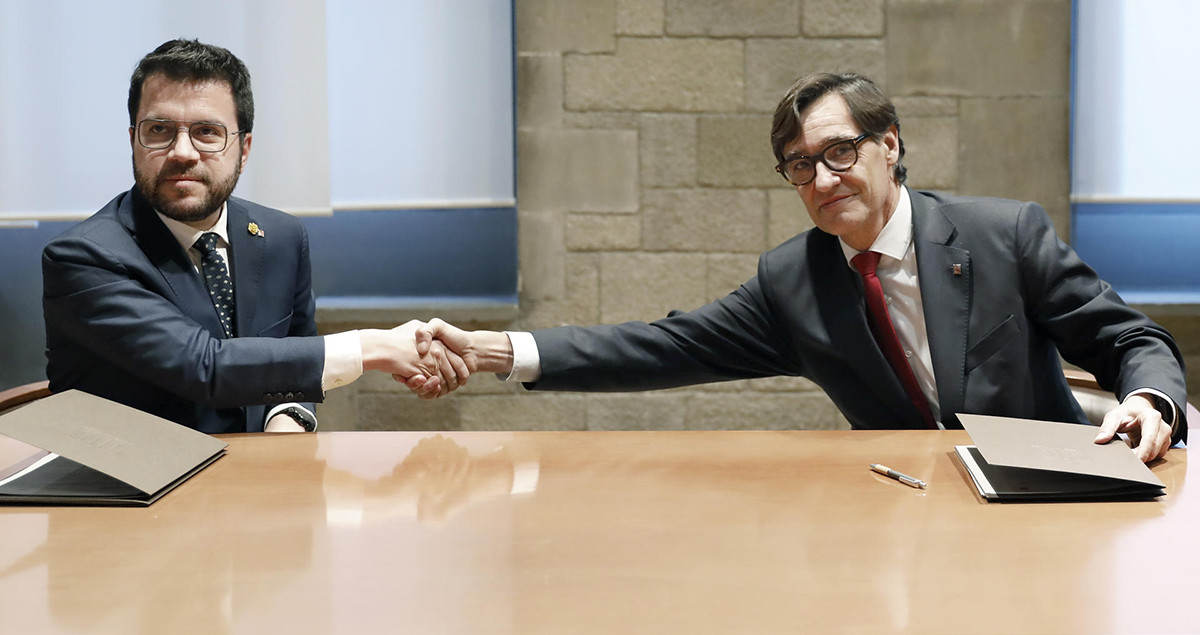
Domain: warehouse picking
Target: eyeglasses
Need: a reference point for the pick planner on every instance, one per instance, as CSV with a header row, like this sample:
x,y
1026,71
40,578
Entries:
x,y
838,157
158,134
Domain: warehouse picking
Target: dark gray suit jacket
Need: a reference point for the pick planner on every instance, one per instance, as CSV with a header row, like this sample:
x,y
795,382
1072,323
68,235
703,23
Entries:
x,y
1003,296
128,318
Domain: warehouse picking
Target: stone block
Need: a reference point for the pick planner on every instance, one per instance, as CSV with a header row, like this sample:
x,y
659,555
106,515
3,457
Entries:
x,y
843,18
339,411
611,232
1018,149
553,26
636,286
681,75
667,150
527,411
907,107
577,170
636,411
931,152
745,18
761,411
703,220
735,151
539,91
542,251
641,17
786,215
773,66
402,411
980,49
601,119
727,272
580,303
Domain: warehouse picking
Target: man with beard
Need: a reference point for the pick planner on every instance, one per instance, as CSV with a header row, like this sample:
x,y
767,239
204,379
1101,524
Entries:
x,y
194,306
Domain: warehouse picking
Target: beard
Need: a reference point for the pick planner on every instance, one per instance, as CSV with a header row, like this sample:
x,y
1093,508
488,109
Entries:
x,y
186,211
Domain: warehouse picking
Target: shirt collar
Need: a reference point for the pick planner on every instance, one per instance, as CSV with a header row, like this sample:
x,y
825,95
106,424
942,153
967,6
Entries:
x,y
896,236
188,235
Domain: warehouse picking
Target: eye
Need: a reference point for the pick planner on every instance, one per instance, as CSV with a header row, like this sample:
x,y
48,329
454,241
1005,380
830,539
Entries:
x,y
840,152
157,128
207,131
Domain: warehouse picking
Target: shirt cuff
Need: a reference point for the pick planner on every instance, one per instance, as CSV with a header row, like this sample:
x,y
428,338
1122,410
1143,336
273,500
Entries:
x,y
527,365
343,360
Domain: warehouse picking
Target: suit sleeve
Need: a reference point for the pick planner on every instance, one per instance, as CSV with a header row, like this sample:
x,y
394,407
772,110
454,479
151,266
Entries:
x,y
735,337
1091,325
97,301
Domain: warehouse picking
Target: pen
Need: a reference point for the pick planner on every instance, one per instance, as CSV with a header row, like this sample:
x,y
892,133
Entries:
x,y
899,476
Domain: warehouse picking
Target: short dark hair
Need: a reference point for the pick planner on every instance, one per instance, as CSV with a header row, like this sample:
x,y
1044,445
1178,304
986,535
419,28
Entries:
x,y
872,110
194,61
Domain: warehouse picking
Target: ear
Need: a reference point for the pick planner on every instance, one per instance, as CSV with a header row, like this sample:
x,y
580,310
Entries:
x,y
132,138
891,145
247,139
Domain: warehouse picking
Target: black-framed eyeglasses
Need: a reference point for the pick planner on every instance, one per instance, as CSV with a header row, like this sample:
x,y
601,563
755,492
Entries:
x,y
838,157
206,136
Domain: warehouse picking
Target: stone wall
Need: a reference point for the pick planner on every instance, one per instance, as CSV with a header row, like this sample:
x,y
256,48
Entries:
x,y
646,178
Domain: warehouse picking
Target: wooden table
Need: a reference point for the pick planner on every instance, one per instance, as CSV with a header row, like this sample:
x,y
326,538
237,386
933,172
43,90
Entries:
x,y
600,532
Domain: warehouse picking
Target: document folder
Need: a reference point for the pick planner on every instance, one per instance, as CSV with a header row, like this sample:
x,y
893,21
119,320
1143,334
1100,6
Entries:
x,y
1026,460
99,452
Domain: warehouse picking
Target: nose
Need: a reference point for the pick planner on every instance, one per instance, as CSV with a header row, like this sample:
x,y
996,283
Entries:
x,y
182,149
824,178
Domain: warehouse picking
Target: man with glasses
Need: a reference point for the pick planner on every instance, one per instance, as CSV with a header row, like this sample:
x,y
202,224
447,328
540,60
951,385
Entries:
x,y
906,307
179,300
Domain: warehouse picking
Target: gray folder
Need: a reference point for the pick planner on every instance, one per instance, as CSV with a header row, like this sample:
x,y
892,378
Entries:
x,y
107,453
1027,460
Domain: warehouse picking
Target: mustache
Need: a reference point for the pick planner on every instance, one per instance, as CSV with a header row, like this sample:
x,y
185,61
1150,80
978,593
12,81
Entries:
x,y
170,173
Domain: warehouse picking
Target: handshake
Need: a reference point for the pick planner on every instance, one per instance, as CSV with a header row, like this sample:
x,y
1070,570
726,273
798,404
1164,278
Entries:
x,y
434,358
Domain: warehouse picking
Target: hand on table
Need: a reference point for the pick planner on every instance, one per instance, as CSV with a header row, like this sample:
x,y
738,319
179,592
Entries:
x,y
1137,417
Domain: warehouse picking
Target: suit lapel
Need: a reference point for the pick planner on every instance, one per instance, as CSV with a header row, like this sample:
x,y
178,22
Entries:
x,y
248,252
944,271
843,310
171,262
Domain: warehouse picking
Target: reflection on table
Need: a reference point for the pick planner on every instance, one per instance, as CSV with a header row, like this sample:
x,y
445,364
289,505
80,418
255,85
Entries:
x,y
637,532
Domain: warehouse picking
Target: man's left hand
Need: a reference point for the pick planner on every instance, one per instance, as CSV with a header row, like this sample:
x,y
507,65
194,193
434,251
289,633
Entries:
x,y
1137,417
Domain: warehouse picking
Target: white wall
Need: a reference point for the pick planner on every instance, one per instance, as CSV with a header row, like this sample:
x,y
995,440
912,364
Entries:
x,y
1136,96
402,104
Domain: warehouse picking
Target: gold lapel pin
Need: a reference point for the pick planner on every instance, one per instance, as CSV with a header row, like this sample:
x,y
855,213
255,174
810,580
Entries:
x,y
957,269
254,230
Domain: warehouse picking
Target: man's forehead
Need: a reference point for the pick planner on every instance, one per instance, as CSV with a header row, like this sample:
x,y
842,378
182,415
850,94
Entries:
x,y
160,89
825,121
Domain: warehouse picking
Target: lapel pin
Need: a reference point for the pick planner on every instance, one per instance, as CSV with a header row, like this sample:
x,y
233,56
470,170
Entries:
x,y
957,269
254,230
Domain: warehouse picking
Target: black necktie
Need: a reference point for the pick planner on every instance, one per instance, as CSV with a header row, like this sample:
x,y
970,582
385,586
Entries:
x,y
216,278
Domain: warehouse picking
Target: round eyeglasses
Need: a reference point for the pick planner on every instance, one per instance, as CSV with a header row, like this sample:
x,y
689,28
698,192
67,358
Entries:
x,y
206,136
838,156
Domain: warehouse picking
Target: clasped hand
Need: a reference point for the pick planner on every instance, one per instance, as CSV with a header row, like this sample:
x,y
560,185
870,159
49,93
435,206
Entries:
x,y
413,357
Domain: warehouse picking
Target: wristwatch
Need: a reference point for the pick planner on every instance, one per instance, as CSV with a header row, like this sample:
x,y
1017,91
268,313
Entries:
x,y
301,416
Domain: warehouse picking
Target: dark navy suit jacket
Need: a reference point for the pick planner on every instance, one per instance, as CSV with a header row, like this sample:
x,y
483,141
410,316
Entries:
x,y
1002,296
128,318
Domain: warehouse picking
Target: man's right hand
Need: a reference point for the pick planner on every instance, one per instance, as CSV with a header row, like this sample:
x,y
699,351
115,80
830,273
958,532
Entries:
x,y
411,355
479,351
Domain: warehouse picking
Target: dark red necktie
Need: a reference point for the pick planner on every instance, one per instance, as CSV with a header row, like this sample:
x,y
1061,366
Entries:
x,y
885,333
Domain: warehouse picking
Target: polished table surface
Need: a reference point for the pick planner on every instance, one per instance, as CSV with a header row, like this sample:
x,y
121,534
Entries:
x,y
600,532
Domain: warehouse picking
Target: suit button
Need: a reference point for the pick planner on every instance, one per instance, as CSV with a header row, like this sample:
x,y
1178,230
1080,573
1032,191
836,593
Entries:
x,y
299,395
289,397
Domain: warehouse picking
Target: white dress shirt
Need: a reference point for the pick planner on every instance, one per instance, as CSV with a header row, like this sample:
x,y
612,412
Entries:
x,y
897,274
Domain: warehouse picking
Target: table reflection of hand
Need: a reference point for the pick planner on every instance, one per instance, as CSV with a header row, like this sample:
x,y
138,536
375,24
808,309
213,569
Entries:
x,y
440,477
